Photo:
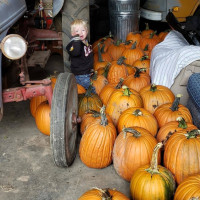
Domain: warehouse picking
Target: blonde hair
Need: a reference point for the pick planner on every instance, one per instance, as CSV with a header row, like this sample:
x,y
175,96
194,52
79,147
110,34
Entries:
x,y
79,22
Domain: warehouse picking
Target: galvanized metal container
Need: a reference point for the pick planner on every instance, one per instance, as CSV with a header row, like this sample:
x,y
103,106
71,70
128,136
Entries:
x,y
124,17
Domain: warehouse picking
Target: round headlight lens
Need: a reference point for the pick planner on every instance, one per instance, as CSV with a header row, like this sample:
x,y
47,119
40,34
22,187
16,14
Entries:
x,y
13,46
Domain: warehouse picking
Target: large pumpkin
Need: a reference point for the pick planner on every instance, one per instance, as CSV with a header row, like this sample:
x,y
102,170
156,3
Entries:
x,y
117,71
120,100
189,188
88,101
133,148
153,181
171,111
135,116
35,102
174,126
97,143
103,194
154,96
138,80
182,153
42,118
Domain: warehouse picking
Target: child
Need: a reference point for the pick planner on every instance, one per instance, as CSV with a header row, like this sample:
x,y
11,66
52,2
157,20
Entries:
x,y
80,52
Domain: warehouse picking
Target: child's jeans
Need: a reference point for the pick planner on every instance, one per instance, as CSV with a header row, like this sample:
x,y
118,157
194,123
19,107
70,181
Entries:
x,y
84,80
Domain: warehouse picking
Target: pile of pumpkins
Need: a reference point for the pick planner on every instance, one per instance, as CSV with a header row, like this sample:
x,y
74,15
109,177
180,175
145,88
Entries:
x,y
138,126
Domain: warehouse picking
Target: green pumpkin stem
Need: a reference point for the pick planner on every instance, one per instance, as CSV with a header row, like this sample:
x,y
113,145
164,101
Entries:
x,y
153,87
118,42
104,120
175,104
146,48
99,54
137,112
126,91
192,134
152,34
131,130
127,42
94,76
106,70
138,71
134,45
144,58
153,169
182,123
94,113
89,91
119,85
121,60
104,193
146,26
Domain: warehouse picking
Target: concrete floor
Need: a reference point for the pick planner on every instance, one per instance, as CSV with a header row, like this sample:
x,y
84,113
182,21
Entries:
x,y
27,170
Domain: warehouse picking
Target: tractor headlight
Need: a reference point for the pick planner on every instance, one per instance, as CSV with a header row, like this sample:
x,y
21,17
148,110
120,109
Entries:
x,y
13,46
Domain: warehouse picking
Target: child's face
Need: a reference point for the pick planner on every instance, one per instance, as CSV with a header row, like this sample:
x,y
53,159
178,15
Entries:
x,y
81,31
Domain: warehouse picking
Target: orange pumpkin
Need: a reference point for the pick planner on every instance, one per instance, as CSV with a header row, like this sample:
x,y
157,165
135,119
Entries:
x,y
116,49
35,102
174,126
88,101
151,41
189,189
117,71
182,153
98,82
42,118
163,34
132,54
134,37
153,181
147,31
53,81
154,96
81,89
138,80
140,117
99,194
108,90
143,63
171,111
120,100
133,148
97,142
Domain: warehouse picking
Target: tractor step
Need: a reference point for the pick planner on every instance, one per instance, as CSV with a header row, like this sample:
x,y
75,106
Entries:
x,y
39,58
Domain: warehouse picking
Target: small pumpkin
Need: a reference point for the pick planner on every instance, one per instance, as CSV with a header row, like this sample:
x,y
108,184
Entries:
x,y
35,102
134,37
88,101
147,31
120,100
189,189
103,194
174,126
144,63
171,111
135,116
182,153
153,181
81,89
133,148
42,118
97,142
154,96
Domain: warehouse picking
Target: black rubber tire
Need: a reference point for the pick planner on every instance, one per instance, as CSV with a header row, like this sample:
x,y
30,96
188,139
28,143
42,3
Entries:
x,y
63,135
72,9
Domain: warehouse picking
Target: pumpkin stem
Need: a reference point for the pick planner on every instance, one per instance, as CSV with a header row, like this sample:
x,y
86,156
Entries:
x,y
144,58
138,71
126,91
153,169
131,130
94,76
89,91
137,112
118,42
152,34
94,113
99,53
104,120
175,104
146,26
119,85
104,193
134,45
153,87
102,48
121,60
195,198
146,48
106,70
181,122
127,42
192,134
